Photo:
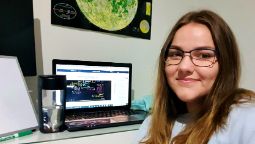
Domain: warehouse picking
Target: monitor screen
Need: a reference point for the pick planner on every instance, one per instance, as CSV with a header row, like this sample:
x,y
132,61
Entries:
x,y
93,85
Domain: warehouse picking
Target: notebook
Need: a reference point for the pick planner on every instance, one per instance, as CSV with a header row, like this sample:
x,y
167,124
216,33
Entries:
x,y
16,109
98,94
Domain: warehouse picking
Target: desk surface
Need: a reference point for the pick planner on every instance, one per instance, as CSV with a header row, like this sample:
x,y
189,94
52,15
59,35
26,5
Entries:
x,y
126,137
104,135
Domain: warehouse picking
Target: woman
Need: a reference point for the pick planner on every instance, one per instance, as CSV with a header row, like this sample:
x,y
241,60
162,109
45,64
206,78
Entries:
x,y
197,99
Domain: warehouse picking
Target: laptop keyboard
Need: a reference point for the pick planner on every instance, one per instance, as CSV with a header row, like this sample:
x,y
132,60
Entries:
x,y
98,114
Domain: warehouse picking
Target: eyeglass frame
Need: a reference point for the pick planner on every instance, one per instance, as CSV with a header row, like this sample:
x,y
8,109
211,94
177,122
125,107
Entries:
x,y
191,58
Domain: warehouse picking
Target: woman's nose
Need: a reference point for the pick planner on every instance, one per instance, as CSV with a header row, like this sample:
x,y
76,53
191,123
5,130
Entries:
x,y
186,66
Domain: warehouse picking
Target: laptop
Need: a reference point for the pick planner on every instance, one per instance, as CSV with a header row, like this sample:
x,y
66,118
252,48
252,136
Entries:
x,y
98,94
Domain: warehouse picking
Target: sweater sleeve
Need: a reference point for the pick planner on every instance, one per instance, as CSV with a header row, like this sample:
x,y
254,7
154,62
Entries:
x,y
143,130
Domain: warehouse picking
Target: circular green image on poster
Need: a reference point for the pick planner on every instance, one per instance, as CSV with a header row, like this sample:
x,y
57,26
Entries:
x,y
109,15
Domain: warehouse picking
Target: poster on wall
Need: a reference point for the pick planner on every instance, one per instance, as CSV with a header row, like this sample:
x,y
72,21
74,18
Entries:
x,y
122,17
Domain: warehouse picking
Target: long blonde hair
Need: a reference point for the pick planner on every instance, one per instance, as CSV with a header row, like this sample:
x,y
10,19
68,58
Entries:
x,y
216,106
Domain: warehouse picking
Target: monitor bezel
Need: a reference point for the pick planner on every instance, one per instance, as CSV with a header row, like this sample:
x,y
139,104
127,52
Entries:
x,y
97,63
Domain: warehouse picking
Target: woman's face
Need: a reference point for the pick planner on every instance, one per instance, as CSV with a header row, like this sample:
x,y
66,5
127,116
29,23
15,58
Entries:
x,y
191,83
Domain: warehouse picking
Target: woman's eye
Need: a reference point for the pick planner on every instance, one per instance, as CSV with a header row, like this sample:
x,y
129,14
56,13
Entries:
x,y
203,54
175,54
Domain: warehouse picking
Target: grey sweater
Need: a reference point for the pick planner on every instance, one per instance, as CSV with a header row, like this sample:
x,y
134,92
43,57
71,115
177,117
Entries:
x,y
239,129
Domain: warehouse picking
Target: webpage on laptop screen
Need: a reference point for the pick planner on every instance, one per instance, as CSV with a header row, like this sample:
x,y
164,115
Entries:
x,y
95,86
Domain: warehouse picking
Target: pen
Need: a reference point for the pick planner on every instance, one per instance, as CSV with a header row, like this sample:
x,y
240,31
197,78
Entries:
x,y
20,134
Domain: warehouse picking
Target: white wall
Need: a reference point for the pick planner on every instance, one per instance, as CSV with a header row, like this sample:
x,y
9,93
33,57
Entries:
x,y
70,43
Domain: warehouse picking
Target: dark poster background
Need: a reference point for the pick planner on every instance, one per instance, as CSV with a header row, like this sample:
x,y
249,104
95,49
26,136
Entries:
x,y
17,33
105,16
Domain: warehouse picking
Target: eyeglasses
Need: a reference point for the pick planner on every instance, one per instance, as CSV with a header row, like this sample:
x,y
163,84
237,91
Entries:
x,y
202,57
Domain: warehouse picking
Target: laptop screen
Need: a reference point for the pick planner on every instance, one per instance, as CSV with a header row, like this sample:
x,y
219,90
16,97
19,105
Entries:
x,y
95,84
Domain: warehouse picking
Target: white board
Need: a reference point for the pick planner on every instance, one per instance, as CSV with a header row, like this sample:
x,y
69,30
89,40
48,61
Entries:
x,y
16,110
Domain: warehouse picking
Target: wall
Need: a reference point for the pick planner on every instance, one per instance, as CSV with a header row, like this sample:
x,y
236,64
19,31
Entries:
x,y
70,43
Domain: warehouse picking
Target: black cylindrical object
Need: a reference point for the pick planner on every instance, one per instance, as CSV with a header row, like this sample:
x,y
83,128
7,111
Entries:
x,y
51,102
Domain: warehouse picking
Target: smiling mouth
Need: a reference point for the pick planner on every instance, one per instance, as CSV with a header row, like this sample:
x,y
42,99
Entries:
x,y
187,80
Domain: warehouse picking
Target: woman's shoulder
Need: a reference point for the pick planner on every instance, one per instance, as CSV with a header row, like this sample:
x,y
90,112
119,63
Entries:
x,y
143,130
145,125
242,114
245,106
240,124
246,109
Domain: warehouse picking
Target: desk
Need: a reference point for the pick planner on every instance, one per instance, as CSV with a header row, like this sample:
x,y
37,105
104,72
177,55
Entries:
x,y
113,138
121,134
